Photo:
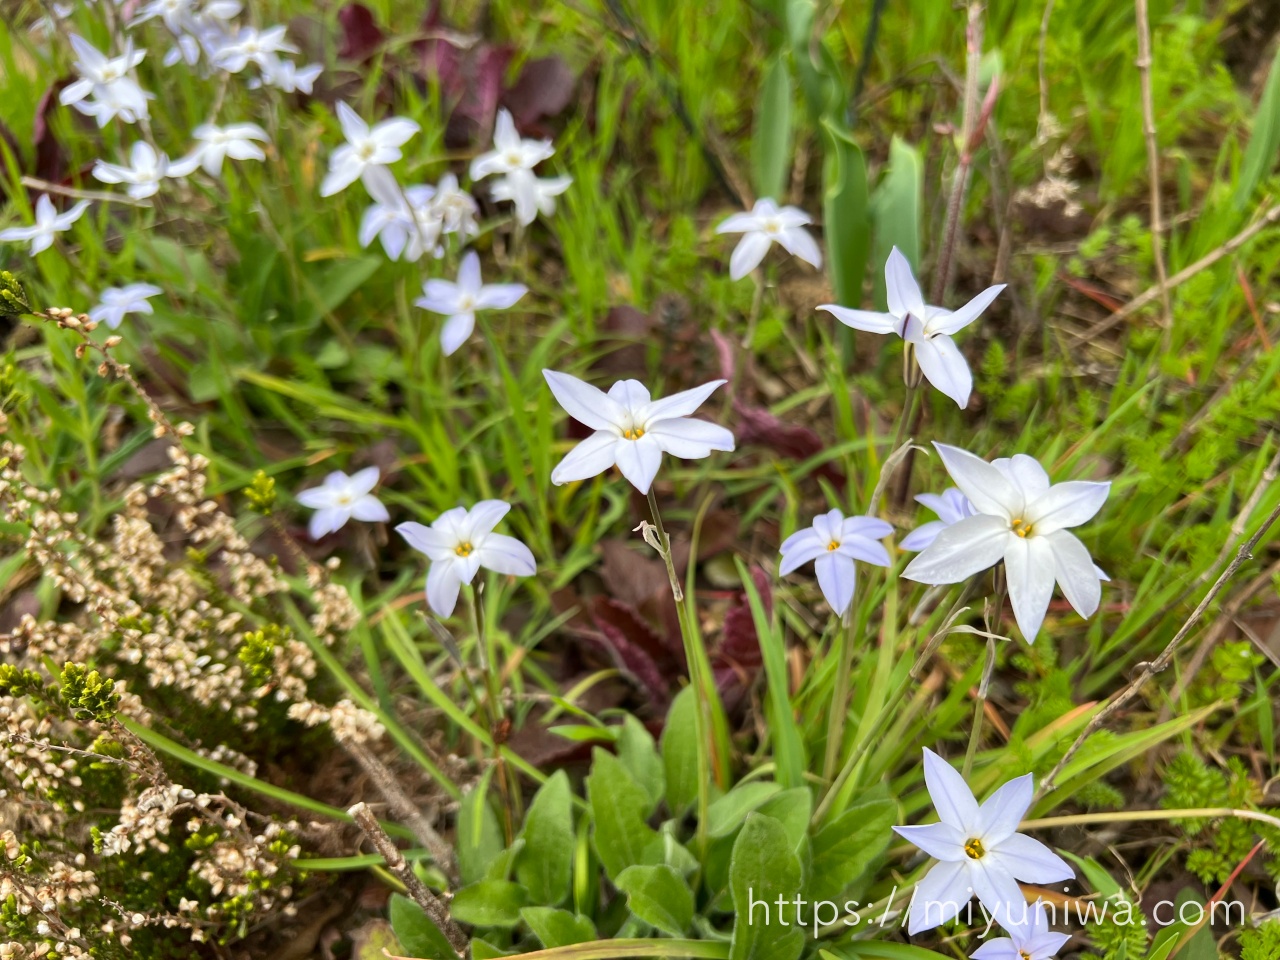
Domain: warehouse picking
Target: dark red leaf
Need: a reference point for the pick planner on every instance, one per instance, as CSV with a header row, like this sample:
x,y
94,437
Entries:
x,y
361,35
543,89
51,158
629,656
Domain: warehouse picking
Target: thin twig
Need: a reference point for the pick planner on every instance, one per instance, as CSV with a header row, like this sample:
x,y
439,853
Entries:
x,y
1182,276
405,808
1153,155
1161,662
396,863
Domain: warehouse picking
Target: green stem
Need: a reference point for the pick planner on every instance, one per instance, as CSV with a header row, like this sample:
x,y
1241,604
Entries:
x,y
839,710
992,622
1139,816
702,715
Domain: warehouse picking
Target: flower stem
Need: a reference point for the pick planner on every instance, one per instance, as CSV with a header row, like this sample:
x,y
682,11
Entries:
x,y
992,621
696,656
757,304
493,709
839,708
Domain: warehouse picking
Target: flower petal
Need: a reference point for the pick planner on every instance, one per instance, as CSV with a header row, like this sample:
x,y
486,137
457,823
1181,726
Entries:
x,y
837,576
944,366
455,332
436,544
353,128
585,403
951,796
1001,948
1025,473
639,461
680,404
1000,814
985,486
961,550
939,897
800,243
959,319
482,518
469,281
1075,572
866,320
799,553
363,481
500,296
996,888
803,535
591,457
327,520
1028,571
1031,861
873,528
370,509
690,439
316,498
503,554
901,289
865,549
444,580
939,840
1067,505
739,223
923,535
748,254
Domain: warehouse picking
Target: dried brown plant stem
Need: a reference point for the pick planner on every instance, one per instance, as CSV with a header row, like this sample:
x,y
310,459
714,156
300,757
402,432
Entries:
x,y
1153,156
1182,276
1149,670
418,892
405,808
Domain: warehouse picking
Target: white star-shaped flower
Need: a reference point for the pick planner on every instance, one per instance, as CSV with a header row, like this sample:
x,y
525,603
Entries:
x,y
252,46
48,223
342,497
287,76
459,543
105,90
405,220
1022,519
510,151
951,506
239,141
454,207
531,195
115,302
459,301
145,171
633,431
764,225
927,328
176,14
366,148
834,542
1031,940
978,848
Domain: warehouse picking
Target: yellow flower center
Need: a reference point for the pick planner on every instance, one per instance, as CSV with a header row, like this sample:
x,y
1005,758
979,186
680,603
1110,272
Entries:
x,y
833,545
344,499
1022,528
513,158
1024,955
974,849
463,549
633,433
772,226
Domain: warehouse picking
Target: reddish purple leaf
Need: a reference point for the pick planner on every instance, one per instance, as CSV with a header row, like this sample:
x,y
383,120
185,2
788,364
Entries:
x,y
625,637
51,158
543,89
361,35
